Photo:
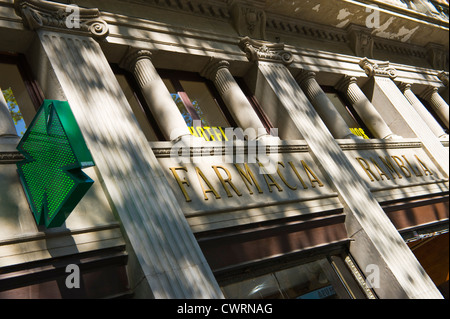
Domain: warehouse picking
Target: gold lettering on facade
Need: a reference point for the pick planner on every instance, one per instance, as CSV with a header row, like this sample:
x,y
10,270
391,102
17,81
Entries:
x,y
424,167
211,189
379,170
312,177
402,163
402,166
248,177
267,176
180,182
298,175
283,178
387,162
366,168
418,173
224,181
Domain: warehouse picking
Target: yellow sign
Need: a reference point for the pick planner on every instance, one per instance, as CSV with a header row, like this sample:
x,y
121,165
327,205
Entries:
x,y
358,132
209,133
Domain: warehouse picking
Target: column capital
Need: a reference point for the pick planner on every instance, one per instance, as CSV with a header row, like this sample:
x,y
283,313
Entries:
x,y
343,83
211,68
39,14
132,56
304,75
265,51
403,86
381,69
429,91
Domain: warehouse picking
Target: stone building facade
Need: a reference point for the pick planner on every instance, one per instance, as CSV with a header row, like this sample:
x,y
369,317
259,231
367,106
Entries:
x,y
242,149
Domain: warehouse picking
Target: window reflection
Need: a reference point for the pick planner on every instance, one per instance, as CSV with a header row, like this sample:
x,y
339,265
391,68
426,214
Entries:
x,y
197,104
307,281
20,105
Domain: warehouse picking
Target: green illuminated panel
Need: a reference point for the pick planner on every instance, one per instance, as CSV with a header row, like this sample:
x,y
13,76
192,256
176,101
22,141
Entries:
x,y
55,152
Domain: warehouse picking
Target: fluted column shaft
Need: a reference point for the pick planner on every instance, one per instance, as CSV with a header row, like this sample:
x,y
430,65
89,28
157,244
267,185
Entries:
x,y
438,104
235,100
7,127
157,96
421,110
326,109
365,108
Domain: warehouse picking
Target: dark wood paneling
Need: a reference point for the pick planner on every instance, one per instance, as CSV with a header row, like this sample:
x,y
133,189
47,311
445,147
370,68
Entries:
x,y
417,212
235,248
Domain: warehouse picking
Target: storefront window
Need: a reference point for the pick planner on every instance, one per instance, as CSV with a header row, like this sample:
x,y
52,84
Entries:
x,y
199,104
318,279
350,117
12,85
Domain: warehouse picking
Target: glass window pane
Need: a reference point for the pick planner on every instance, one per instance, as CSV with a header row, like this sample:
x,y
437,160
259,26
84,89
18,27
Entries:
x,y
204,104
136,108
16,95
347,115
177,99
263,287
306,281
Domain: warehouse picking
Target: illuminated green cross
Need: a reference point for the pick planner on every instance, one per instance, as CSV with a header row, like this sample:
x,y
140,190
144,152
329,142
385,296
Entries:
x,y
55,152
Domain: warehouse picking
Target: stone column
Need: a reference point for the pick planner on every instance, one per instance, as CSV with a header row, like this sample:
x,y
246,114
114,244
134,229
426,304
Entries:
x,y
395,108
422,111
443,76
437,103
365,108
165,260
158,98
235,100
376,240
7,127
326,109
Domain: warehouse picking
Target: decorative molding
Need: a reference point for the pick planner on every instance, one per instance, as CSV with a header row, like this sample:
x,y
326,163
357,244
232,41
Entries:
x,y
265,51
10,157
443,76
378,69
248,20
132,56
39,14
222,79
437,56
212,67
306,29
361,41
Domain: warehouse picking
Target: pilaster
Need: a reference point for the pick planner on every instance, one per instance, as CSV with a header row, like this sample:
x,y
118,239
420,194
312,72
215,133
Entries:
x,y
161,244
365,220
393,105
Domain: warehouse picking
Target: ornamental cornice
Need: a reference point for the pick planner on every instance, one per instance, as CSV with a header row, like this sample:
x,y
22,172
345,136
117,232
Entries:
x,y
443,76
377,68
39,14
265,51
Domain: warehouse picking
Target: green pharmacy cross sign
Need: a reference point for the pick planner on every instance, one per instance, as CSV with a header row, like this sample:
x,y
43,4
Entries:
x,y
55,152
